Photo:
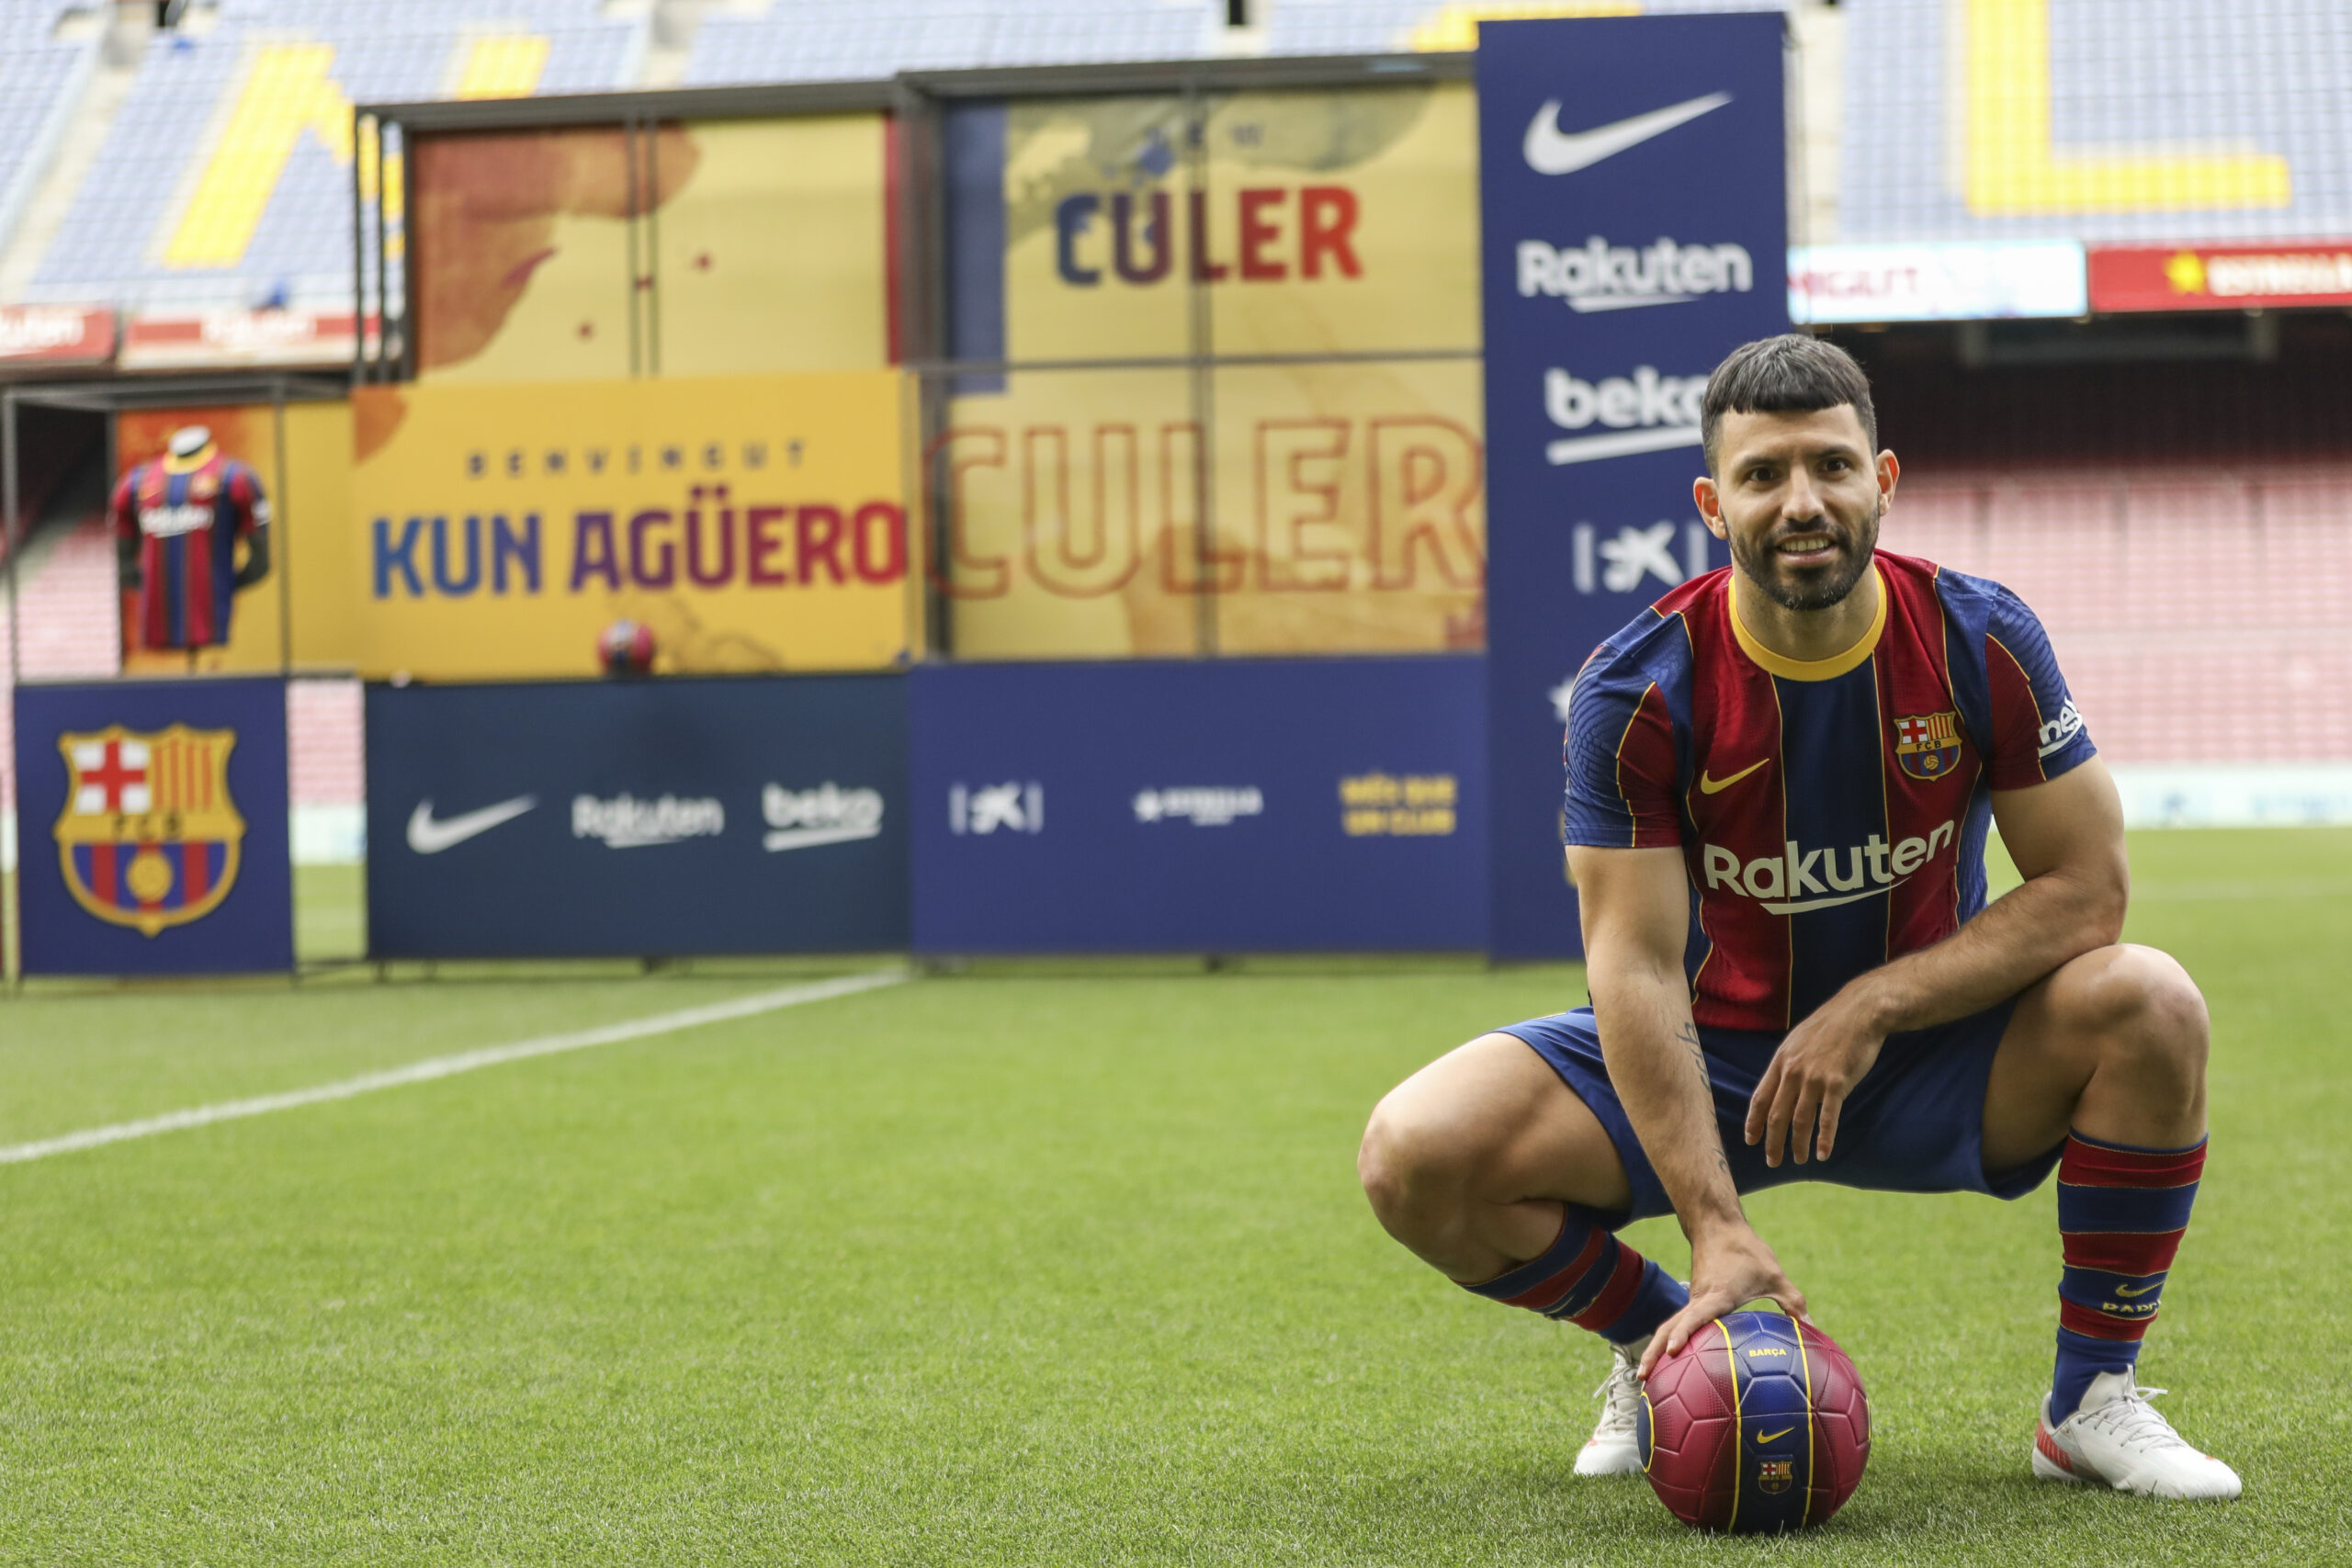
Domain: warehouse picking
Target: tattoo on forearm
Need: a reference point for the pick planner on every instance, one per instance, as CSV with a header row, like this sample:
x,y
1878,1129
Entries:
x,y
1688,1035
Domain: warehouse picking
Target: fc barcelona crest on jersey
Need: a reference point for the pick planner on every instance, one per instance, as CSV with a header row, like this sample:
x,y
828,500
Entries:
x,y
1926,746
149,836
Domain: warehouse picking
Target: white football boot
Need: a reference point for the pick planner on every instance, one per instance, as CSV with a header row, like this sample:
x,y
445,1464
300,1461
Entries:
x,y
1614,1449
2118,1439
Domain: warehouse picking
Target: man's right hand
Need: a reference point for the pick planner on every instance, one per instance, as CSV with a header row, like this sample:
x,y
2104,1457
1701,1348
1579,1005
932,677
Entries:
x,y
1729,1265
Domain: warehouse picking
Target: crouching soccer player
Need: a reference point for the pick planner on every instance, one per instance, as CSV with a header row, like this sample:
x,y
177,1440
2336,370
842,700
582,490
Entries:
x,y
1778,781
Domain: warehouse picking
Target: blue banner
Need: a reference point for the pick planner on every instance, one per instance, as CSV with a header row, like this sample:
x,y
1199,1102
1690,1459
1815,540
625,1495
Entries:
x,y
663,818
152,829
1635,232
1220,806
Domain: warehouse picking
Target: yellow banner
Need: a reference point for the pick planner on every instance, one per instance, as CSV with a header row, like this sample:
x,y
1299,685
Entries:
x,y
759,247
1348,517
753,523
1295,222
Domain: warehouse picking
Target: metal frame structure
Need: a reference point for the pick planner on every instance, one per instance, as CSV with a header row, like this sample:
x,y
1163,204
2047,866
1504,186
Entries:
x,y
111,397
915,103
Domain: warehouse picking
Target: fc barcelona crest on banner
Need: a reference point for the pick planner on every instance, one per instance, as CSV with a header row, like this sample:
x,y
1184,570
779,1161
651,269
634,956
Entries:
x,y
1926,746
149,838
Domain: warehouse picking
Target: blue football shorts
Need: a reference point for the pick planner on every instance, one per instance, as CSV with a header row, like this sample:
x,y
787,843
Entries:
x,y
1915,1124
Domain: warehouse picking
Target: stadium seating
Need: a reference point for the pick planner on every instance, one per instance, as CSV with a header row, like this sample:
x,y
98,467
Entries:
x,y
225,178
2254,89
41,81
2197,614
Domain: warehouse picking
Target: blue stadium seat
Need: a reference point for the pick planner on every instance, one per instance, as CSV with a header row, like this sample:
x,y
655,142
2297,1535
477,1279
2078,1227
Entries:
x,y
42,79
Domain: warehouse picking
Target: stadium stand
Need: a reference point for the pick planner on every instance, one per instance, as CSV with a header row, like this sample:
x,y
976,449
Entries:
x,y
225,178
42,79
2160,120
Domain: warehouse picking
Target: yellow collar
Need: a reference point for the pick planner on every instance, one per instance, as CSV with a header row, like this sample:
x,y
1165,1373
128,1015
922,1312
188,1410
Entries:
x,y
1828,669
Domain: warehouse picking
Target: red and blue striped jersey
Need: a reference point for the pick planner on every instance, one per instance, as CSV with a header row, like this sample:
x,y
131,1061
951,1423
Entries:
x,y
1832,814
187,523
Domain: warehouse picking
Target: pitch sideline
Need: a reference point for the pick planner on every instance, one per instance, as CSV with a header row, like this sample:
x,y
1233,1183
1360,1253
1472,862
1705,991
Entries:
x,y
449,1066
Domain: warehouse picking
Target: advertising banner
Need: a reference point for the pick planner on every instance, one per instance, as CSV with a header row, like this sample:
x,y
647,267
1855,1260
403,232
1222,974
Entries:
x,y
151,821
762,248
1266,509
644,818
1962,282
1224,806
1631,181
2220,277
751,523
226,338
56,334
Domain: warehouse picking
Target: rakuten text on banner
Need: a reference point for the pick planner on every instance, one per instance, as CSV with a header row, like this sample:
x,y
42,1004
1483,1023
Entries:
x,y
1635,231
754,523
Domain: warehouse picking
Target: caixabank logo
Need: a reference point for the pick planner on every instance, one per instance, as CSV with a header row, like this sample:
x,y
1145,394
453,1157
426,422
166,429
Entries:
x,y
149,838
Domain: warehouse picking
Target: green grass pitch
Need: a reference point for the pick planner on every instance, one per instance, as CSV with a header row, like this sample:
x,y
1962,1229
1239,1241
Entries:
x,y
1033,1265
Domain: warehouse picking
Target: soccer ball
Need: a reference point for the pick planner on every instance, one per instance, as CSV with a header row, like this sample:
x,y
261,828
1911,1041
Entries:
x,y
626,648
1758,1423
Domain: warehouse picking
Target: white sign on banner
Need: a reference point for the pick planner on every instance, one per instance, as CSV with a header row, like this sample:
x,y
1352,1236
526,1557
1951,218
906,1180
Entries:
x,y
1960,282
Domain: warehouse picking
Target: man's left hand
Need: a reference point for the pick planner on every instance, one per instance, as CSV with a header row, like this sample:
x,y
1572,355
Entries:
x,y
1818,1063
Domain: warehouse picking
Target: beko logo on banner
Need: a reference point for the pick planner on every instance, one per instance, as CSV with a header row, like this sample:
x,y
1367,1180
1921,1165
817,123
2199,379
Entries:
x,y
1551,151
1644,412
801,819
625,822
1602,276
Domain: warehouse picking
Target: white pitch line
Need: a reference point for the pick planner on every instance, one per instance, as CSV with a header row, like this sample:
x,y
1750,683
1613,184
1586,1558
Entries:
x,y
448,1067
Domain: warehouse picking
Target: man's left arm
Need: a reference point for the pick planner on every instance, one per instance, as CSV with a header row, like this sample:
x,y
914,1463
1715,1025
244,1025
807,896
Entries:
x,y
2067,838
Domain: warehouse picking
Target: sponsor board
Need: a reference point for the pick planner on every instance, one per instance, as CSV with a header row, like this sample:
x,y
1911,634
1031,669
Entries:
x,y
644,818
754,523
1344,809
56,334
1630,178
2220,277
165,803
290,338
1957,282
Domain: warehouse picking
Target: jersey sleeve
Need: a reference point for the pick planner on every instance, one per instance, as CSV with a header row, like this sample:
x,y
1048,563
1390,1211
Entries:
x,y
1621,761
2038,733
122,512
253,506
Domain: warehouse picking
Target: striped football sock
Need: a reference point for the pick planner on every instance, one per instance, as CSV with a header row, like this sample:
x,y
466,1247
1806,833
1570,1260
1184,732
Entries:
x,y
2120,1213
1591,1278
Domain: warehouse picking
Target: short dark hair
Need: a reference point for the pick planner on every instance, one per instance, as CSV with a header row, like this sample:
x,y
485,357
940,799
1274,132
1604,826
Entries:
x,y
1793,373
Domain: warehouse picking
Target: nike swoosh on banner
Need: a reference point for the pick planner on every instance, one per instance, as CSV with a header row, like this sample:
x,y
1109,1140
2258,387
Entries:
x,y
1812,904
1551,151
1622,443
1715,786
427,837
809,838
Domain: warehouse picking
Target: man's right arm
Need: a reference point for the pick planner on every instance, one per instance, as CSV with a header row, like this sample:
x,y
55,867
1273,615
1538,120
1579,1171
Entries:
x,y
1636,915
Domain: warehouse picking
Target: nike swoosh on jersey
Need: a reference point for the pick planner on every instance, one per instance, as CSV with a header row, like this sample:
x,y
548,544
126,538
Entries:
x,y
1763,1437
1711,786
1551,151
427,837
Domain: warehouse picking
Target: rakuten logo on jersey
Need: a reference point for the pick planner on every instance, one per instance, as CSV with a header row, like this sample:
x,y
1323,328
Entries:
x,y
1800,880
166,522
1643,413
1602,276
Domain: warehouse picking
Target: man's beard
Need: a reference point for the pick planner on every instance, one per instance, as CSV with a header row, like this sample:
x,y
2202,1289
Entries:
x,y
1818,588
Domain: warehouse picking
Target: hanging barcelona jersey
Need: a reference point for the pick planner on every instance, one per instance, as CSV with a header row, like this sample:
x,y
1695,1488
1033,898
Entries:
x,y
187,524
